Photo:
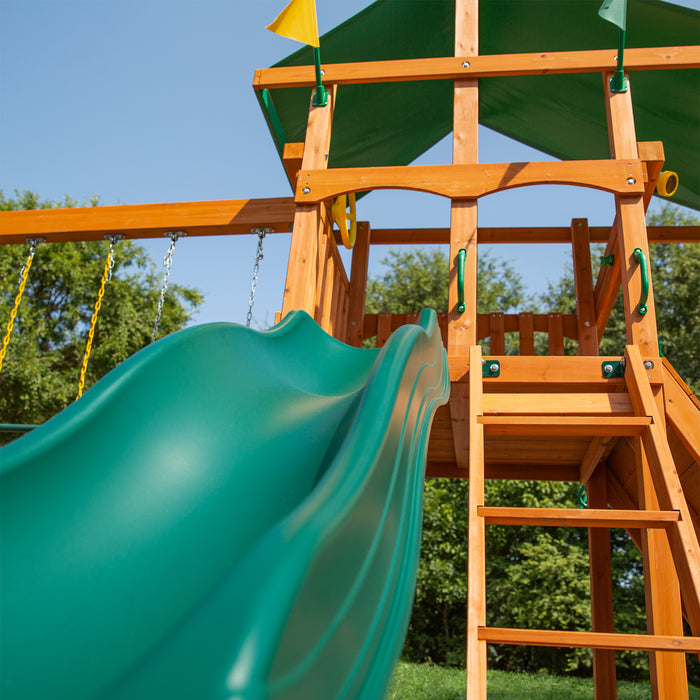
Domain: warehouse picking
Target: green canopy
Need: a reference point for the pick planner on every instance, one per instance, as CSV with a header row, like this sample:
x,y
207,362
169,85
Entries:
x,y
563,115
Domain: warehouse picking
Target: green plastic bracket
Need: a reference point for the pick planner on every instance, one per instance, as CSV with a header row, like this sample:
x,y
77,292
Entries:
x,y
582,497
614,369
461,261
639,256
607,260
490,368
618,83
320,98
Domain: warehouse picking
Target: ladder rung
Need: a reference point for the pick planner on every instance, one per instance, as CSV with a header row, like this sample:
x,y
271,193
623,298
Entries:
x,y
588,640
564,425
600,403
578,517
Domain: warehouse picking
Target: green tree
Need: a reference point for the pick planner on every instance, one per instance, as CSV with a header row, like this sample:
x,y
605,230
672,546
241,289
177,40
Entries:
x,y
41,369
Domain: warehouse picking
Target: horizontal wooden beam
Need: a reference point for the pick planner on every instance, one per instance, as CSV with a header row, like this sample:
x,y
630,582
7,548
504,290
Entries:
x,y
564,425
474,180
588,640
467,67
577,517
529,234
557,404
215,218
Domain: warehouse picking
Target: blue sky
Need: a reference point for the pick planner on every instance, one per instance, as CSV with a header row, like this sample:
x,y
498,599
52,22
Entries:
x,y
151,101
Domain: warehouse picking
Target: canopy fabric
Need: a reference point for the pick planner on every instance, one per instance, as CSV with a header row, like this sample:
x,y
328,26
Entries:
x,y
562,115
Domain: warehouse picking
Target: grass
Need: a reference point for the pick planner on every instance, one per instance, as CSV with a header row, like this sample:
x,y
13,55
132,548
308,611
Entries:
x,y
427,682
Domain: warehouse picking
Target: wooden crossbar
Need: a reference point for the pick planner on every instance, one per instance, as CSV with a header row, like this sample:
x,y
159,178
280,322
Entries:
x,y
588,640
577,517
564,425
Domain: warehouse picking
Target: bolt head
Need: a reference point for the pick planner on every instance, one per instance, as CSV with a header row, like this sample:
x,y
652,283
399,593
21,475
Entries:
x,y
607,369
306,190
631,181
648,365
465,64
494,368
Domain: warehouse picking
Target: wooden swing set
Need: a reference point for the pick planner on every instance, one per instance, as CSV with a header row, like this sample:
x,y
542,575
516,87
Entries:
x,y
625,427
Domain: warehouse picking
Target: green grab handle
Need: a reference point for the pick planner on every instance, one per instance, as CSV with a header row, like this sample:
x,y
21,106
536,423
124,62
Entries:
x,y
639,256
461,260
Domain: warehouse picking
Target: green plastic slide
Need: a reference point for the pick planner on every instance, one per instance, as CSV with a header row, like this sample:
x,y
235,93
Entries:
x,y
228,515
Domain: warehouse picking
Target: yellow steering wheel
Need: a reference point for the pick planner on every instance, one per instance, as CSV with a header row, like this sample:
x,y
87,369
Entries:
x,y
342,217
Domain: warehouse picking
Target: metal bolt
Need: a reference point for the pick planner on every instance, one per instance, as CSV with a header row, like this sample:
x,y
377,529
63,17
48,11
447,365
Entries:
x,y
648,365
306,190
323,72
587,323
631,181
465,64
494,368
607,369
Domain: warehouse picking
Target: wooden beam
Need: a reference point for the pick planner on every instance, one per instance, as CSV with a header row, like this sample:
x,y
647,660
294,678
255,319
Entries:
x,y
476,566
454,68
292,158
577,517
554,234
474,180
588,640
682,538
215,218
681,411
583,285
599,403
598,448
600,566
358,284
564,425
302,267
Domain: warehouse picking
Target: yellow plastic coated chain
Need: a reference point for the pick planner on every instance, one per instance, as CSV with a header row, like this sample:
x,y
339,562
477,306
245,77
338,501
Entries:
x,y
93,321
15,308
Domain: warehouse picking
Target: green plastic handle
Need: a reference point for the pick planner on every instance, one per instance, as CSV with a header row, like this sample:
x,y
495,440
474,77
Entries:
x,y
461,260
639,256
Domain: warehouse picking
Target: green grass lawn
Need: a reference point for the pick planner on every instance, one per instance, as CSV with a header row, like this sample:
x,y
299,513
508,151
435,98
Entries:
x,y
426,682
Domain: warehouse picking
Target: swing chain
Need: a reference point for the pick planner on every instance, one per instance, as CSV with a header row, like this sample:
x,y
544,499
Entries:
x,y
23,275
167,263
113,238
261,232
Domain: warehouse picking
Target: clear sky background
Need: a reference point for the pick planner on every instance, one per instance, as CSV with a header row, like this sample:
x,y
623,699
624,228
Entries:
x,y
142,101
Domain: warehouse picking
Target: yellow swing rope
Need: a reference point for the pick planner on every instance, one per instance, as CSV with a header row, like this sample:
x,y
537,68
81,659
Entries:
x,y
106,276
24,274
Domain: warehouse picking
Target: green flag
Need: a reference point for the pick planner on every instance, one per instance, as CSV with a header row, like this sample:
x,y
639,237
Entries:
x,y
614,11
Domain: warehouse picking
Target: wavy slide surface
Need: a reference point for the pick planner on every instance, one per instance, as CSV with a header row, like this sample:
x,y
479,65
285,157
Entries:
x,y
230,514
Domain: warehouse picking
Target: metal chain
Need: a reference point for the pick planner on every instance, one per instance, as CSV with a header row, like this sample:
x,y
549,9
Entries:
x,y
258,257
23,275
106,277
168,263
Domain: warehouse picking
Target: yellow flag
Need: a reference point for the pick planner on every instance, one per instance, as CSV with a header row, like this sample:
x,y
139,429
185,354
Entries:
x,y
298,21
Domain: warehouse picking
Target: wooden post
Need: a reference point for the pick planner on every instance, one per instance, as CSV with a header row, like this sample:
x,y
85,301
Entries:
x,y
461,329
476,574
358,284
583,283
604,679
641,328
302,268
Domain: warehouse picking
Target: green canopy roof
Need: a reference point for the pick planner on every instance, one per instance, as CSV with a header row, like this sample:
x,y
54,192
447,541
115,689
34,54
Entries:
x,y
563,115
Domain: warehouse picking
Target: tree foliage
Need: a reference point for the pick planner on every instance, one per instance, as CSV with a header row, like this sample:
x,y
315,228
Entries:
x,y
41,369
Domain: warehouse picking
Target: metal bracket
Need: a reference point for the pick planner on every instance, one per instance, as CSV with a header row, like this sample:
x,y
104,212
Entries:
x,y
613,369
490,368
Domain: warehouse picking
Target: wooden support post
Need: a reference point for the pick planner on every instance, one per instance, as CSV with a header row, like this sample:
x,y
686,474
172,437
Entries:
x,y
358,284
641,327
461,329
601,589
662,594
583,283
302,268
476,574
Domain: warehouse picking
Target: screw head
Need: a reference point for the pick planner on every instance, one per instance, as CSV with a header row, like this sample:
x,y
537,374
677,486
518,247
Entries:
x,y
607,369
494,368
306,190
648,365
631,181
465,64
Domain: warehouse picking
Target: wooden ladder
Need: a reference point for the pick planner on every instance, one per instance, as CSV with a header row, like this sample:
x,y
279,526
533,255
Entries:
x,y
663,514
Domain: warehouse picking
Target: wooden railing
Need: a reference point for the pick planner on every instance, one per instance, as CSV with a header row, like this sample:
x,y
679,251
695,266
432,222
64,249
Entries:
x,y
493,326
